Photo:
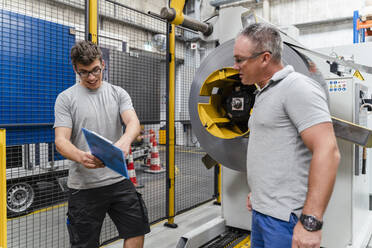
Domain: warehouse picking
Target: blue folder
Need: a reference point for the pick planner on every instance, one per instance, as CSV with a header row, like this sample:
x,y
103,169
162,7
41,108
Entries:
x,y
104,150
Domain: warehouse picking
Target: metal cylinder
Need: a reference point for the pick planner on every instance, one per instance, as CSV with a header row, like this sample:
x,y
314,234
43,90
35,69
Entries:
x,y
230,152
204,28
168,13
188,22
218,3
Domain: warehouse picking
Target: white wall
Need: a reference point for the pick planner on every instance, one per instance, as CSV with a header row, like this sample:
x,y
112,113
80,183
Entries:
x,y
319,36
320,22
285,12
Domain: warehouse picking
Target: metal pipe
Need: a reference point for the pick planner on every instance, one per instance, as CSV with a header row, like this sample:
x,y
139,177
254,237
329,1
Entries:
x,y
218,3
153,14
188,22
355,27
25,125
167,14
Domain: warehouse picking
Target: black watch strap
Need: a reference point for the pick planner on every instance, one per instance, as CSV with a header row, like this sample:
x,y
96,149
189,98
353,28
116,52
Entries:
x,y
310,223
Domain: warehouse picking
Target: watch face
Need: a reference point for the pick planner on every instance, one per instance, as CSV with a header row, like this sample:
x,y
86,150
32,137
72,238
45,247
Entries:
x,y
310,223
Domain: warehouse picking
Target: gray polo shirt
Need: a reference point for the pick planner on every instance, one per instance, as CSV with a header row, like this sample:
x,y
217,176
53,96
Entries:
x,y
97,110
278,162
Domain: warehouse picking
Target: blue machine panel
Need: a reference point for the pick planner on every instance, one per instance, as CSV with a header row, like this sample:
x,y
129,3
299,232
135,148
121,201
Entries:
x,y
34,68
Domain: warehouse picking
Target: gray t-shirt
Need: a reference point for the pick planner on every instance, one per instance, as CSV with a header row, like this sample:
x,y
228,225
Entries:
x,y
278,161
99,111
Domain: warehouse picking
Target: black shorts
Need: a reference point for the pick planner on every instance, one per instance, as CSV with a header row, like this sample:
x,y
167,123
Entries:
x,y
87,209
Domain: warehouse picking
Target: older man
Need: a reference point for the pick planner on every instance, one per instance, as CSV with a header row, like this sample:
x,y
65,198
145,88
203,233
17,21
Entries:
x,y
292,156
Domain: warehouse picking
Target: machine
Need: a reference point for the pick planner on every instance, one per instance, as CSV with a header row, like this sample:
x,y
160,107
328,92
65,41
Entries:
x,y
216,99
350,197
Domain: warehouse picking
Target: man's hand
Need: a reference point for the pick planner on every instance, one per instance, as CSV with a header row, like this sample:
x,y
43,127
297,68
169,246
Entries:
x,y
132,130
89,161
124,146
249,203
305,239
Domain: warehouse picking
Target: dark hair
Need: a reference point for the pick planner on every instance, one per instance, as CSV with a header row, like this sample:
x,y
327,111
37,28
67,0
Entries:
x,y
266,37
85,52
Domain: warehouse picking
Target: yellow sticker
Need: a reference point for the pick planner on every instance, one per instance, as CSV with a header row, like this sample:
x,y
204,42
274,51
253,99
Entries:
x,y
357,74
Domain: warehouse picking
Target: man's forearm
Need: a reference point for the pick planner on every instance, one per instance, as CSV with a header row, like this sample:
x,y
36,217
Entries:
x,y
132,130
68,150
322,176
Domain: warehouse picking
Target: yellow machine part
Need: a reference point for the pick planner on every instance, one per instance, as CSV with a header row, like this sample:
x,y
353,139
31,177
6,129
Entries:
x,y
178,7
245,243
212,115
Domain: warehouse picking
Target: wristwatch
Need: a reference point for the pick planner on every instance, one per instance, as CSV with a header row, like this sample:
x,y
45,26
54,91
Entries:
x,y
311,223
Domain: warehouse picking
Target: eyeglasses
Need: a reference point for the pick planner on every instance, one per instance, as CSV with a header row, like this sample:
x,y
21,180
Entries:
x,y
95,72
254,55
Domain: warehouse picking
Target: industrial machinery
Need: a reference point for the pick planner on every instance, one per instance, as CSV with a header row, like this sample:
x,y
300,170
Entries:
x,y
351,192
216,100
356,52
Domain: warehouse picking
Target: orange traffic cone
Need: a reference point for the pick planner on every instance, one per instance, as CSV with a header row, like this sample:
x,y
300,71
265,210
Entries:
x,y
132,171
148,159
155,166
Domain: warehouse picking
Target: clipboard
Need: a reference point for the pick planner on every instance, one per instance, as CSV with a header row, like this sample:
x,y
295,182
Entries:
x,y
104,150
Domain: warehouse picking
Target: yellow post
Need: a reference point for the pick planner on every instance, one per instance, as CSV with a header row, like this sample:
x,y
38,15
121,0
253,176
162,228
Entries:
x,y
3,218
171,192
93,20
218,198
178,6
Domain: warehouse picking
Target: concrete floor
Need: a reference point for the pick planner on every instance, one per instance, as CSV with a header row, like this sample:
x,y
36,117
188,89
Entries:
x,y
159,237
43,225
165,237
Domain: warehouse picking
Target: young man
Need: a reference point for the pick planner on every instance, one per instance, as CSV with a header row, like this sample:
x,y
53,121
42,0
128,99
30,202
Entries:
x,y
292,156
95,189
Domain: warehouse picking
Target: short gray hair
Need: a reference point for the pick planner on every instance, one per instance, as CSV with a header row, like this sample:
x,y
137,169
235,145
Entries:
x,y
265,37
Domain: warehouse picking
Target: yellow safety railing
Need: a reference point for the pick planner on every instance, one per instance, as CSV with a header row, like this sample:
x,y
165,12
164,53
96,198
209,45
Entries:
x,y
218,196
178,5
3,218
93,21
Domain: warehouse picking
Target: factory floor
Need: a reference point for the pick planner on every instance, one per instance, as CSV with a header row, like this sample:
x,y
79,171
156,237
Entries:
x,y
165,237
43,224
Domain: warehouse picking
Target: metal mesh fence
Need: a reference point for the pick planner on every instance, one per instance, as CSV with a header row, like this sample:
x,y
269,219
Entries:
x,y
194,183
36,37
138,65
